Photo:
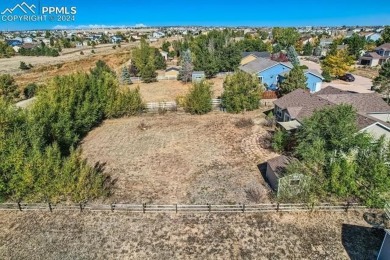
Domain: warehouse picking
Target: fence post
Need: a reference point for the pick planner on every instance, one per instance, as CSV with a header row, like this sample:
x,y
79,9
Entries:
x,y
209,205
19,206
243,208
112,207
277,207
50,208
81,207
348,205
176,207
144,208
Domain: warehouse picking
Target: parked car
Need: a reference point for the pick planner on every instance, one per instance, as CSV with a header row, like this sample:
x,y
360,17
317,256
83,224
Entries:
x,y
348,77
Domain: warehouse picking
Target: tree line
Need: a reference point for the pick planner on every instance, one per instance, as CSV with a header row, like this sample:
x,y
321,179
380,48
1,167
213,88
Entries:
x,y
40,159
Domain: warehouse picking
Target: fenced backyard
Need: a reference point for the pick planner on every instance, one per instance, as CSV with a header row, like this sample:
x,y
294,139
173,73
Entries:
x,y
177,208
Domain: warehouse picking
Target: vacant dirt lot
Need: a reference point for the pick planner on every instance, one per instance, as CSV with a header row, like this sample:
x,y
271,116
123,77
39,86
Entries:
x,y
178,158
169,90
64,235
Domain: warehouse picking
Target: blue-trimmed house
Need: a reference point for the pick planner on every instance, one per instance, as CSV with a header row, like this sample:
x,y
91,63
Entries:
x,y
271,73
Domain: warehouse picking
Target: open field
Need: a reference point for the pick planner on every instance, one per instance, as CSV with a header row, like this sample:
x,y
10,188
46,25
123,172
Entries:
x,y
168,90
64,235
179,158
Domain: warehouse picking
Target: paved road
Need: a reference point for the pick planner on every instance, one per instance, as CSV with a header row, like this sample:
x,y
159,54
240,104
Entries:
x,y
361,84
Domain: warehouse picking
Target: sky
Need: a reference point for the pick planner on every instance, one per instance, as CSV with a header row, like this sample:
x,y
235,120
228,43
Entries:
x,y
99,13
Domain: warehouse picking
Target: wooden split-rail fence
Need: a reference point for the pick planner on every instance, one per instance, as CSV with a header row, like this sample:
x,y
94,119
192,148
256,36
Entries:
x,y
177,208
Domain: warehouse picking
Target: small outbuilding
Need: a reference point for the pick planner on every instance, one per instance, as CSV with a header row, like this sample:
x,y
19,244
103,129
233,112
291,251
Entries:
x,y
172,72
279,180
198,76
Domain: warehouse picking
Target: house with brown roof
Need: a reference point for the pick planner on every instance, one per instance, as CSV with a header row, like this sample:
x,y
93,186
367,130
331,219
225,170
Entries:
x,y
377,57
373,113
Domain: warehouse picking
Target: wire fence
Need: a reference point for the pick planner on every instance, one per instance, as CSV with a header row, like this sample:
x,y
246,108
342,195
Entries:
x,y
177,208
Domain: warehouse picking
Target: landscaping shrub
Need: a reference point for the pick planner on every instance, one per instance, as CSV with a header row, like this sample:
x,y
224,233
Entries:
x,y
279,140
242,92
23,66
30,90
326,75
198,100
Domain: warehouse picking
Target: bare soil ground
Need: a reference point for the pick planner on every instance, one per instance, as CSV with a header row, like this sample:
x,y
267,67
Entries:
x,y
72,235
169,90
82,63
179,158
370,73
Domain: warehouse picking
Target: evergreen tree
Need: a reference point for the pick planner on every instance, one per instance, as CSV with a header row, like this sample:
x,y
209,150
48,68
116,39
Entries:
x,y
186,69
159,61
295,79
8,88
317,51
383,80
198,100
241,92
293,56
148,73
125,76
308,49
356,44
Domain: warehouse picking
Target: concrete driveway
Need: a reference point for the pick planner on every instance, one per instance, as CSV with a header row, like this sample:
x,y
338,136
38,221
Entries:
x,y
360,85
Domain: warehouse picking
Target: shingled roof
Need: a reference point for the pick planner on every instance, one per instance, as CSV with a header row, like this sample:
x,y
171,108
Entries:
x,y
278,164
258,54
300,104
261,64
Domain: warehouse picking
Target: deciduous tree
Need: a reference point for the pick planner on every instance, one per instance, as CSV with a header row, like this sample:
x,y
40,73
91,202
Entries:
x,y
338,64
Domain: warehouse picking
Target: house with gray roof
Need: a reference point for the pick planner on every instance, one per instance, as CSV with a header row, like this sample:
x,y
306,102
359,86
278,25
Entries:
x,y
373,113
377,57
271,73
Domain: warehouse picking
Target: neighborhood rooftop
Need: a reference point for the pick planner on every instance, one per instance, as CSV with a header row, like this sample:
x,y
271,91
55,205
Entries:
x,y
261,64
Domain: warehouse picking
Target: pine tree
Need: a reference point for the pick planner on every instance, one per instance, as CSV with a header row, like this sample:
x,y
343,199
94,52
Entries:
x,y
292,56
383,80
148,73
185,73
295,79
125,76
8,88
308,49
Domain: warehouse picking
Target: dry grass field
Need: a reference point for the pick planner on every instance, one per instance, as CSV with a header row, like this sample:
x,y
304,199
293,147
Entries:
x,y
178,158
64,235
169,90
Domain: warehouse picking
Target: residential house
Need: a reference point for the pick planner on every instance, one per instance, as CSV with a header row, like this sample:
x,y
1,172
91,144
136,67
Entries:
x,y
27,40
278,179
116,39
14,43
373,36
158,35
247,57
325,42
198,76
373,113
271,73
172,72
377,57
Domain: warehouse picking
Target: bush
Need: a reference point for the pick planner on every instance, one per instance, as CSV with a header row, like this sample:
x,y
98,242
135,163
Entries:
x,y
279,141
304,67
30,90
126,103
93,51
198,100
327,77
23,66
114,47
8,88
81,53
241,92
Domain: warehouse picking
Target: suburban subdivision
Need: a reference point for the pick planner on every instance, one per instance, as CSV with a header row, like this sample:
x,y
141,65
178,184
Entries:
x,y
217,141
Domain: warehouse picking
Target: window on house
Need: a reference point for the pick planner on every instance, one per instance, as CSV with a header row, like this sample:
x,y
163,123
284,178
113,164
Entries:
x,y
286,117
261,79
278,112
294,182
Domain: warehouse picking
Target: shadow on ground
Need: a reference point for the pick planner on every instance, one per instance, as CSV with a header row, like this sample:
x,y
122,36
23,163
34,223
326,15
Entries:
x,y
361,242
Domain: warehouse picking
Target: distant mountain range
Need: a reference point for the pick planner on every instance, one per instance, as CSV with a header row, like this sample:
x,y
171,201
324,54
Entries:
x,y
23,6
